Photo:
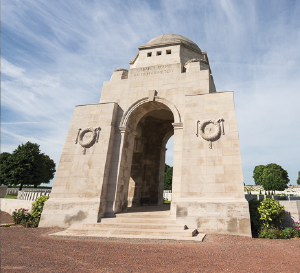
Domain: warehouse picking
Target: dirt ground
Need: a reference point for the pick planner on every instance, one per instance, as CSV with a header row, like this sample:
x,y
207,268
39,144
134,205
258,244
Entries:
x,y
33,250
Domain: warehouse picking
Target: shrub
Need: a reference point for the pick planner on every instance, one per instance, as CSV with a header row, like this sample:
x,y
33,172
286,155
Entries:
x,y
287,233
26,219
296,229
271,212
20,215
38,205
31,222
290,232
256,222
270,233
276,233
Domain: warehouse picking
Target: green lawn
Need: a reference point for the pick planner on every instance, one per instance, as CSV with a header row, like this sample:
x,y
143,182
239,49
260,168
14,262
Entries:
x,y
167,202
10,196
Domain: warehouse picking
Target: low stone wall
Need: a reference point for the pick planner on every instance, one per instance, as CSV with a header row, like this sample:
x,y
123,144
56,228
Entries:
x,y
9,205
292,212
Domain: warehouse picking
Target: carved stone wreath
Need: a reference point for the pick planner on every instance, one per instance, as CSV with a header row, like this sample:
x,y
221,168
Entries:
x,y
87,143
210,136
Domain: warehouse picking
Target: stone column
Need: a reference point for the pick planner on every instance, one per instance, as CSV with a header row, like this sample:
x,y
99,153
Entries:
x,y
177,163
161,176
117,190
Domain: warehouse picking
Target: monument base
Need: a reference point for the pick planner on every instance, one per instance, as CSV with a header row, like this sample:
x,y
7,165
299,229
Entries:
x,y
215,216
65,213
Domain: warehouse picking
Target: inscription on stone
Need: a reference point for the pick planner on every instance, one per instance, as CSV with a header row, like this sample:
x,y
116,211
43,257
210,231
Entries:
x,y
153,70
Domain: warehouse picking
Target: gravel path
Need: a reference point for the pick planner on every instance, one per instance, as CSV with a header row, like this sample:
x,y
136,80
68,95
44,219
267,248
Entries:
x,y
32,250
5,218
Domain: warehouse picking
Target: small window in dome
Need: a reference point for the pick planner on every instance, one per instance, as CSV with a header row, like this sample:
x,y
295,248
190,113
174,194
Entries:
x,y
158,53
168,51
149,54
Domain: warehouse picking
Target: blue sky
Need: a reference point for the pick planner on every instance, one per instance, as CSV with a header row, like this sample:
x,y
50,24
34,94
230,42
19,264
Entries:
x,y
56,54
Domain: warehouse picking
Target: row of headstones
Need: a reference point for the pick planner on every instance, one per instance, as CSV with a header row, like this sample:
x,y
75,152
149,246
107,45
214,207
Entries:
x,y
276,197
15,191
167,195
32,195
12,191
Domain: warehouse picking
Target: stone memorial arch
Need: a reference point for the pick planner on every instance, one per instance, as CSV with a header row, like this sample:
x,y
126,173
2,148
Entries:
x,y
114,153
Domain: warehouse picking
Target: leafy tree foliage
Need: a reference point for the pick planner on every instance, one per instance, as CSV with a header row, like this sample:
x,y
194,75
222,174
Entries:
x,y
27,166
168,177
48,170
257,174
4,167
298,180
272,177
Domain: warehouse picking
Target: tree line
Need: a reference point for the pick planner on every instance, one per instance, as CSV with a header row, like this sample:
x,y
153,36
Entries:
x,y
168,177
272,177
26,165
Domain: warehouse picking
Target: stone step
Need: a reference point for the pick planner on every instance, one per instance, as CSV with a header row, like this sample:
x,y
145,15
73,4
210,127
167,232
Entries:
x,y
141,215
198,238
138,220
130,231
138,225
142,222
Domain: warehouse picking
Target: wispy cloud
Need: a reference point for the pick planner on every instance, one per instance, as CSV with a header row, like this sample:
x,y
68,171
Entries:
x,y
56,54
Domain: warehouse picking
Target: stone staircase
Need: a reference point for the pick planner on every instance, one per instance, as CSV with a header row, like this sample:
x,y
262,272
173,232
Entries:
x,y
147,222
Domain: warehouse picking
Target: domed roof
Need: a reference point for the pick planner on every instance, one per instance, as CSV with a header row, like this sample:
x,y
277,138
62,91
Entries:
x,y
168,39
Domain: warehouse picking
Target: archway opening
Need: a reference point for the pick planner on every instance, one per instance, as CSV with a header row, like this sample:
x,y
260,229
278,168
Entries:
x,y
146,183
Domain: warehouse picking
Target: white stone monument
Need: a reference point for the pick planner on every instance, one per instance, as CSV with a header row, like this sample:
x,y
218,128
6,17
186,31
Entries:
x,y
114,153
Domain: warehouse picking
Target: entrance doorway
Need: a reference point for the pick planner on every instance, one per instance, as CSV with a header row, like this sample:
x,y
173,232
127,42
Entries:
x,y
146,182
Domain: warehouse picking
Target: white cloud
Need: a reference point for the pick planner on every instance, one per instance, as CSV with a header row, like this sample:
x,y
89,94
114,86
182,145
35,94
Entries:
x,y
56,54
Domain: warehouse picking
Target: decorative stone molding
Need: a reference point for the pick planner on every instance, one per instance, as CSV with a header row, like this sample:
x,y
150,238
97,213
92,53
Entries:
x,y
169,104
127,130
195,61
134,59
121,69
87,143
152,94
178,125
214,131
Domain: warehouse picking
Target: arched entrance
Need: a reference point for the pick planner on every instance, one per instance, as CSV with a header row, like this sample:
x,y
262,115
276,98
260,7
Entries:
x,y
148,159
146,128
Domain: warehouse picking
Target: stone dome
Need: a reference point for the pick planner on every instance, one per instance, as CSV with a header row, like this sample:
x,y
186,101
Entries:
x,y
168,39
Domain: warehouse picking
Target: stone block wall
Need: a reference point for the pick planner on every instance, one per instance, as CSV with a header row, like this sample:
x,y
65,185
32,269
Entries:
x,y
80,185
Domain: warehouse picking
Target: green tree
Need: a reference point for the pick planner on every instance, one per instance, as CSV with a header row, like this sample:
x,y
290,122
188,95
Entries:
x,y
298,180
168,177
274,178
4,168
48,170
257,174
28,166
